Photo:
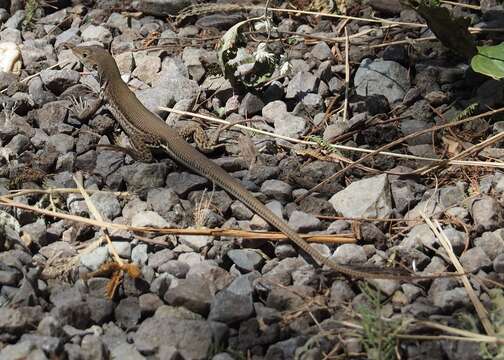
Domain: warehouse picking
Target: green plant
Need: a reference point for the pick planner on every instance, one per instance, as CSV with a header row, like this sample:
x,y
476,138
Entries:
x,y
379,335
248,68
31,9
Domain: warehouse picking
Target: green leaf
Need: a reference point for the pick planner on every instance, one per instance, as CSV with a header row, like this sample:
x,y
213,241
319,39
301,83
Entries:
x,y
489,61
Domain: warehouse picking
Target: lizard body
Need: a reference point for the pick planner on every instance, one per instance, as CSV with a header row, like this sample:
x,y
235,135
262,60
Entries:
x,y
146,130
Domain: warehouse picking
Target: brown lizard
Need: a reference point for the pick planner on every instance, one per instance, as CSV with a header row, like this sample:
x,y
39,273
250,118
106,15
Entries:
x,y
146,131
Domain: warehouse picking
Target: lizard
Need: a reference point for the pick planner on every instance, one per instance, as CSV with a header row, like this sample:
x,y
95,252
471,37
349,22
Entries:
x,y
148,131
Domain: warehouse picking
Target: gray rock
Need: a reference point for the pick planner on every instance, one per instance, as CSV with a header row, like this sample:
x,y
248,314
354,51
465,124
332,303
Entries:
x,y
49,326
149,303
312,104
62,143
348,254
218,21
405,193
183,183
322,51
193,294
222,356
139,254
127,313
154,97
246,259
97,33
240,211
250,105
301,84
377,77
386,286
95,258
160,257
59,80
15,20
22,350
283,251
243,284
475,259
341,293
229,308
141,176
369,197
487,214
102,308
498,264
14,321
192,338
286,124
150,219
176,268
125,351
420,235
277,190
196,242
107,204
10,277
146,66
448,300
179,87
123,249
49,344
300,221
69,36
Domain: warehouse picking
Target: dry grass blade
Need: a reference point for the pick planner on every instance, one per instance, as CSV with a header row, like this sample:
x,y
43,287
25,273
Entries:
x,y
94,211
478,306
370,153
395,143
273,236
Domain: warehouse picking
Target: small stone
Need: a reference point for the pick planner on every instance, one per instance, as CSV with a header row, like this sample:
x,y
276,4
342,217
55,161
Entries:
x,y
59,80
128,313
196,242
369,197
487,214
277,190
341,293
302,83
250,105
107,204
300,221
383,77
139,254
193,294
322,51
95,258
97,33
183,183
246,259
475,259
348,254
229,308
149,219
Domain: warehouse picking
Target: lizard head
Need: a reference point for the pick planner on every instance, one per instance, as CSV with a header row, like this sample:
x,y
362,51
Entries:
x,y
96,57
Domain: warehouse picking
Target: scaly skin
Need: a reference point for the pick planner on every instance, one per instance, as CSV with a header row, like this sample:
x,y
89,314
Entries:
x,y
146,130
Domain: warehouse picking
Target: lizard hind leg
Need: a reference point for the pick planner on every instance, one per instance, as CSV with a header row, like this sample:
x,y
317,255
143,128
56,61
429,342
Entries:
x,y
138,149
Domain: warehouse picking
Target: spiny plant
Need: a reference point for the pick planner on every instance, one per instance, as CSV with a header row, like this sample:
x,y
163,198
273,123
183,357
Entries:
x,y
31,8
379,335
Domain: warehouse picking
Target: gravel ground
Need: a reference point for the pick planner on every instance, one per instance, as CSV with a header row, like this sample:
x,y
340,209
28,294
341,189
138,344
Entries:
x,y
64,296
